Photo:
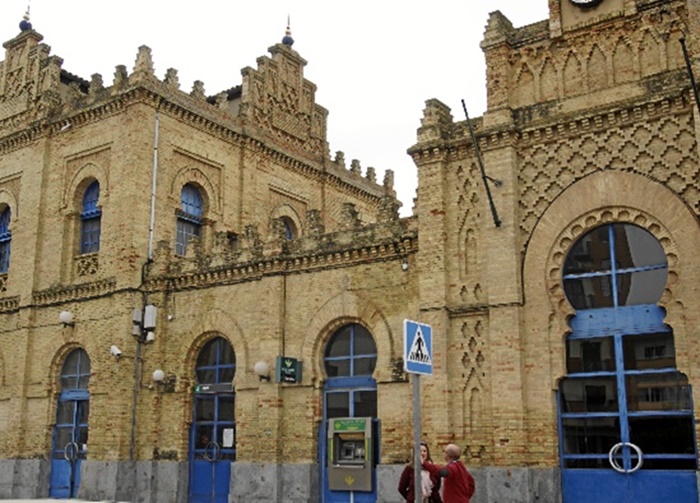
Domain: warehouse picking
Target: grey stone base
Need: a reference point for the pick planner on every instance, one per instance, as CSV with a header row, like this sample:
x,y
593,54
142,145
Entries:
x,y
167,482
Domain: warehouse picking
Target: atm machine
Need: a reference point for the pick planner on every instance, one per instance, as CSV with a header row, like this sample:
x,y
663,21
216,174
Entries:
x,y
350,456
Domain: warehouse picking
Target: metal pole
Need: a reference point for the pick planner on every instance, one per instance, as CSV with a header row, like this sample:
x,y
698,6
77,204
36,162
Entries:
x,y
416,439
689,68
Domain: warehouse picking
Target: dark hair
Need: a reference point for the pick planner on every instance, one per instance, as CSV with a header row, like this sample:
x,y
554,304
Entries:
x,y
425,444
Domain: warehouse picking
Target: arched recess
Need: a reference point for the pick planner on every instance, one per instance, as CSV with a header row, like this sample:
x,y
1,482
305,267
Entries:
x,y
73,194
342,309
291,219
218,323
7,198
197,177
605,197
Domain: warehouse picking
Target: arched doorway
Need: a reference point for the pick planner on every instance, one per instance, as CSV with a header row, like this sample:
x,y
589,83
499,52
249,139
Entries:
x,y
70,433
350,358
626,424
213,431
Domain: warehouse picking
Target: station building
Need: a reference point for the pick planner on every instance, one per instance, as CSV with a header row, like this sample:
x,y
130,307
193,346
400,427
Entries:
x,y
198,302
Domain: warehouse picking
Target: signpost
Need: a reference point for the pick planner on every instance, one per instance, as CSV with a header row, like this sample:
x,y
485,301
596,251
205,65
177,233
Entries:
x,y
417,359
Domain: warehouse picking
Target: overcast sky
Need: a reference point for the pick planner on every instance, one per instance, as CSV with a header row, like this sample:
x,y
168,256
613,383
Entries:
x,y
374,62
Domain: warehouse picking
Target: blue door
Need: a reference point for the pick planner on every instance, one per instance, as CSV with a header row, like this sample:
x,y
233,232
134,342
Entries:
x,y
350,391
626,423
212,434
70,433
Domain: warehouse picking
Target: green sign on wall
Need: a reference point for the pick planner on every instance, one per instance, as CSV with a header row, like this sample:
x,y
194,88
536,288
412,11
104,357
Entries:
x,y
287,370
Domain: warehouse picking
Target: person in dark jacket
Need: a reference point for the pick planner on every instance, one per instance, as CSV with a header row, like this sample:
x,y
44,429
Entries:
x,y
458,486
429,483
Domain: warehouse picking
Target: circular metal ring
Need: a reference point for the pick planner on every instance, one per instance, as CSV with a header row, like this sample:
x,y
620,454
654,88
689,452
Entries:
x,y
613,462
215,450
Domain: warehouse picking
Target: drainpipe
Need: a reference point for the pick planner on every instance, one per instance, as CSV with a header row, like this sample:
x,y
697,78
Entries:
x,y
141,335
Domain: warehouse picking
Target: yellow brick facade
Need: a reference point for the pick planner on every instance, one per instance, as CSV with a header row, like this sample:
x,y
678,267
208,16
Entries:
x,y
590,120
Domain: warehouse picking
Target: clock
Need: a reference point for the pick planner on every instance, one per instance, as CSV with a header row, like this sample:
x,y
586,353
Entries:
x,y
585,3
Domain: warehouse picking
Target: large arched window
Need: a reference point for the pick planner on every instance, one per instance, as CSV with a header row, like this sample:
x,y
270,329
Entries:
x,y
91,217
622,386
5,239
351,352
189,217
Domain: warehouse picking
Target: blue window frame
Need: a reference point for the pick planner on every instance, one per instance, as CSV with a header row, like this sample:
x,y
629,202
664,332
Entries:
x,y
189,217
5,240
622,384
91,217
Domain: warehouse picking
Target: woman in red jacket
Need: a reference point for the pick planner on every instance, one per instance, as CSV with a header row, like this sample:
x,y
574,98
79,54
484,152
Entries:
x,y
429,483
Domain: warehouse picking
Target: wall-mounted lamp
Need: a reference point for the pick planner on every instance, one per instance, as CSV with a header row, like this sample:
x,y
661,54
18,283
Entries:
x,y
165,383
404,264
262,370
66,317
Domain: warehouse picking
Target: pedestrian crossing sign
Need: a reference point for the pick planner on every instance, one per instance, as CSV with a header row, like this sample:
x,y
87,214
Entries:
x,y
418,347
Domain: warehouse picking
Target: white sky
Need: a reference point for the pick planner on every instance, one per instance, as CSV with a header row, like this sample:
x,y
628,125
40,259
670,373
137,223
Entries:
x,y
374,62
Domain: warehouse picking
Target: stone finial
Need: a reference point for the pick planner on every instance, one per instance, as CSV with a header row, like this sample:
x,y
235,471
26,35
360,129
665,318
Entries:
x,y
143,69
340,158
498,30
252,240
355,167
198,90
388,209
314,223
96,84
389,180
171,79
371,175
222,100
437,122
120,77
349,216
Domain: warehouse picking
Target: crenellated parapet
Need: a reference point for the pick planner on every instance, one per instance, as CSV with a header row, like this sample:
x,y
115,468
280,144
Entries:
x,y
274,109
251,256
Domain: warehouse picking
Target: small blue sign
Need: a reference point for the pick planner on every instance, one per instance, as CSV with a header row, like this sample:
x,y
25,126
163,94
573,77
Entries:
x,y
418,348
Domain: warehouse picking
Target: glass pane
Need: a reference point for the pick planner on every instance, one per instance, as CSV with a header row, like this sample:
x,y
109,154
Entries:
x,y
63,437
70,366
364,343
588,293
365,403
64,414
651,392
337,405
589,253
649,351
635,247
339,345
663,435
590,355
226,374
226,408
338,368
641,287
592,394
83,412
205,409
81,438
364,366
594,435
207,356
226,354
206,376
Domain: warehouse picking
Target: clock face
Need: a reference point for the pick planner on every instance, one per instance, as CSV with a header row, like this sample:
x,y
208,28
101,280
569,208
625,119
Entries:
x,y
586,3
